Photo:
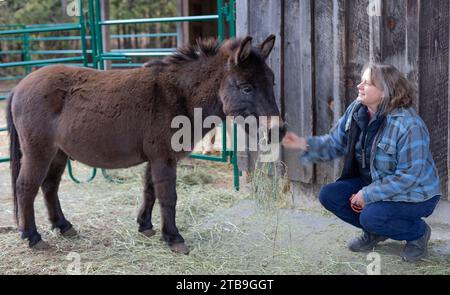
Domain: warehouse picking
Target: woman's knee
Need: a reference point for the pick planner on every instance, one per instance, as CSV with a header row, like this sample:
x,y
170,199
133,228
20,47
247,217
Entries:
x,y
324,196
327,196
372,220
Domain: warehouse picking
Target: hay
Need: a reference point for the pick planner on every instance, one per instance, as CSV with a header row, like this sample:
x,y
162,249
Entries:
x,y
221,241
270,186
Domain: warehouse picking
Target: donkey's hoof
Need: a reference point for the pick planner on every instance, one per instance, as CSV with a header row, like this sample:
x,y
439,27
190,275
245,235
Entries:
x,y
179,248
41,246
71,232
148,232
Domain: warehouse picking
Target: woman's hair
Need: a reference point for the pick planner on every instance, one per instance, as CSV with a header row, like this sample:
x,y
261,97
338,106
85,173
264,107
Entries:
x,y
398,91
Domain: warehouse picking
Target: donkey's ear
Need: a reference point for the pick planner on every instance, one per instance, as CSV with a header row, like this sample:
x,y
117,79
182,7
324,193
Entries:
x,y
267,46
243,51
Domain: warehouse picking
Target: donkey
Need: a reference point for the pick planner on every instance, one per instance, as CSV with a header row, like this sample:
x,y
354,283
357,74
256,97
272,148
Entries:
x,y
121,118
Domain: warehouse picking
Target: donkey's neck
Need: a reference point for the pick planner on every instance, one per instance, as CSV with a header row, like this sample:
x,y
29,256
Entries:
x,y
199,82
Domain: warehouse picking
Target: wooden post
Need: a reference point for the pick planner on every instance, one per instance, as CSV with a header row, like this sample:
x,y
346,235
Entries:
x,y
105,32
340,64
242,29
298,84
375,32
259,18
412,45
448,130
181,34
433,84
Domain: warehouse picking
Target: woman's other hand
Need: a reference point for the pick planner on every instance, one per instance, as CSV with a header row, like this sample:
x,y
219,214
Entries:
x,y
292,141
358,200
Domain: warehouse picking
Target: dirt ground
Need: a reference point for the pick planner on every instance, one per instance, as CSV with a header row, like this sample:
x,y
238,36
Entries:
x,y
228,232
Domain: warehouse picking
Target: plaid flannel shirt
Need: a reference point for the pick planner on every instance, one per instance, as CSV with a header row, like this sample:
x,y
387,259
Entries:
x,y
401,164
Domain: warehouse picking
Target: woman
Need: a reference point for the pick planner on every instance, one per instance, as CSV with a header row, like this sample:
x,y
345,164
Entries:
x,y
389,180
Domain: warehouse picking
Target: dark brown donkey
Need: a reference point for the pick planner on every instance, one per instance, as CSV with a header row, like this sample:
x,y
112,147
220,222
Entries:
x,y
121,118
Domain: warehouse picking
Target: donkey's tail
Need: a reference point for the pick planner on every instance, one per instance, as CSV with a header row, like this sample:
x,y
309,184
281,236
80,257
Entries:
x,y
14,151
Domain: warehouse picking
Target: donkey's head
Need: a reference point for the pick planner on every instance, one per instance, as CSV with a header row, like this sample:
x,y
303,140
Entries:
x,y
247,89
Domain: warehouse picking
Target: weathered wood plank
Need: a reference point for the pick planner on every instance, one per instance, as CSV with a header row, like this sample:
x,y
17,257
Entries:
x,y
259,19
412,45
358,45
340,65
242,29
340,36
448,134
393,31
265,19
323,79
298,83
434,75
242,18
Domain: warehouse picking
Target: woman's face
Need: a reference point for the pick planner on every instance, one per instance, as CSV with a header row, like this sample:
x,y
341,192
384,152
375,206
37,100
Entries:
x,y
369,94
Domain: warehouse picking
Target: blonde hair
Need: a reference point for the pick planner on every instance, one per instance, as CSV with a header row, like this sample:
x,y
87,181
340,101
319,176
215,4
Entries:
x,y
398,92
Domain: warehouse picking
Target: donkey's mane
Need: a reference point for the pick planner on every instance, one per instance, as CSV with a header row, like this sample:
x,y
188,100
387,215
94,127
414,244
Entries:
x,y
190,52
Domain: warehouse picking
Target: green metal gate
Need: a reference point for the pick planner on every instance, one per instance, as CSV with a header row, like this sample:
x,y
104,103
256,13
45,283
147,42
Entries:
x,y
94,23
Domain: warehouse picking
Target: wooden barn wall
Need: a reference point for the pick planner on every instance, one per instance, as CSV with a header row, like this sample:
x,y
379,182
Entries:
x,y
321,48
433,79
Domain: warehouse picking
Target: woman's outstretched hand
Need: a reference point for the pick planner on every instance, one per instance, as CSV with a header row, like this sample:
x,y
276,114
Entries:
x,y
294,142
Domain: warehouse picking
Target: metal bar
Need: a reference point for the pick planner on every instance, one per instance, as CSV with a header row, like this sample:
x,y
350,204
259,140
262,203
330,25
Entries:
x,y
231,18
69,168
3,97
69,38
108,54
92,29
110,178
3,129
114,57
236,171
98,33
38,62
41,30
3,160
144,50
69,64
144,35
10,39
10,25
83,35
75,51
66,38
160,20
220,25
48,25
224,140
11,51
26,52
208,157
10,78
127,65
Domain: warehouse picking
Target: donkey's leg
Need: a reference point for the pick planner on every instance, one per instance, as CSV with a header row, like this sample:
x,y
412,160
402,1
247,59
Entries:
x,y
32,173
145,213
164,182
50,190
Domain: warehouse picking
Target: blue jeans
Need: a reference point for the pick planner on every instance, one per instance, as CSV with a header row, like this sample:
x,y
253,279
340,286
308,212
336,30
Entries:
x,y
395,220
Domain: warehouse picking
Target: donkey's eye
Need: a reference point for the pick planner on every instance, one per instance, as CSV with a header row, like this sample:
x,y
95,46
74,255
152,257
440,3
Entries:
x,y
246,88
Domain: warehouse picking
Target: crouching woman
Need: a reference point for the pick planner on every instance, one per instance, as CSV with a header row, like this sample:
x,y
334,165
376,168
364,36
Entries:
x,y
389,180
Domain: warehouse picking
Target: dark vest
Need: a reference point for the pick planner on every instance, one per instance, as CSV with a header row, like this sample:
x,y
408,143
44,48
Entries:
x,y
359,121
